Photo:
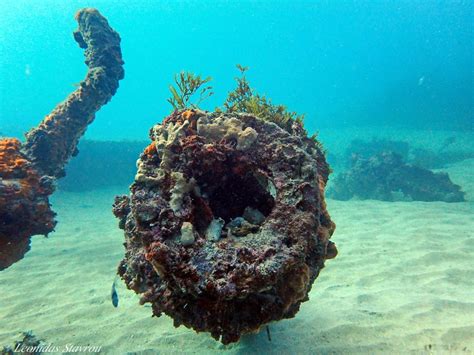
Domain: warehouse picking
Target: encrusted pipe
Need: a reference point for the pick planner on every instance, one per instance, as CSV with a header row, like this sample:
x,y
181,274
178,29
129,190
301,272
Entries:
x,y
50,145
28,171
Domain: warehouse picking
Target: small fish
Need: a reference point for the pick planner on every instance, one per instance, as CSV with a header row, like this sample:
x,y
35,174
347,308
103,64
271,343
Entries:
x,y
114,295
268,333
421,81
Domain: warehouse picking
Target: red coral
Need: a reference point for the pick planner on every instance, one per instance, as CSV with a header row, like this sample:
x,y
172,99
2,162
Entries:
x,y
24,205
150,150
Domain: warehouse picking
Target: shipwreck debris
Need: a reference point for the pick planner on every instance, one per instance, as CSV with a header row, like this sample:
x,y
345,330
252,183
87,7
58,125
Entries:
x,y
226,225
28,171
385,176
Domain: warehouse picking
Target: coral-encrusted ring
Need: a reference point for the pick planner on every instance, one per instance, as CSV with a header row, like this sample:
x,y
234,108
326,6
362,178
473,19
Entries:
x,y
226,226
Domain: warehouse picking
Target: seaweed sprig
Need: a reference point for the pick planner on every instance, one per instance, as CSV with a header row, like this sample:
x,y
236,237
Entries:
x,y
245,99
188,86
237,99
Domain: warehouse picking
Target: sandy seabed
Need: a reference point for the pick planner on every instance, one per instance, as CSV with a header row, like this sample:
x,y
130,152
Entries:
x,y
403,282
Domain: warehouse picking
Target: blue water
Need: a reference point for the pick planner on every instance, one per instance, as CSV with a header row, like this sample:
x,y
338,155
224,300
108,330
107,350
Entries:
x,y
343,63
385,73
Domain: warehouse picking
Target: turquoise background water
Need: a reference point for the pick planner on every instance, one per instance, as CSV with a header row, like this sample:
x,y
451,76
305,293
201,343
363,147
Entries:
x,y
343,63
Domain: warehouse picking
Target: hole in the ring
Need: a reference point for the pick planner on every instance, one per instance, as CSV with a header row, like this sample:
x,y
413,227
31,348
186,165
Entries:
x,y
235,193
232,187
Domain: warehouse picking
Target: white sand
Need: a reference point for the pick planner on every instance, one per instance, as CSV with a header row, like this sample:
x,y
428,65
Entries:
x,y
403,282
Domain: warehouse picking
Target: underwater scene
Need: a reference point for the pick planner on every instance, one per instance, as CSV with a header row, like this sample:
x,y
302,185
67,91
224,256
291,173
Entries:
x,y
236,177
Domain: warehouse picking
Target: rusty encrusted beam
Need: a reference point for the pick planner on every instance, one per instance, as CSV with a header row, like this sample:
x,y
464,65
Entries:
x,y
28,171
50,145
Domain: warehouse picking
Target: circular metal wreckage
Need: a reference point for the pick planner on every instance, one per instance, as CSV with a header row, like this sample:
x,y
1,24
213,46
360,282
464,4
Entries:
x,y
226,225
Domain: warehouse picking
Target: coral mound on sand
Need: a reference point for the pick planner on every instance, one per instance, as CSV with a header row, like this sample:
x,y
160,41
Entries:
x,y
385,176
226,226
